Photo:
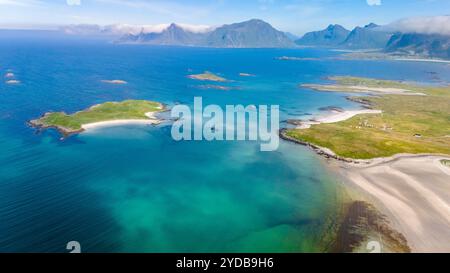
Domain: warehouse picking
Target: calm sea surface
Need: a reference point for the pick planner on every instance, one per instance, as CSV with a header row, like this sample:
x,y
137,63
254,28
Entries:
x,y
134,189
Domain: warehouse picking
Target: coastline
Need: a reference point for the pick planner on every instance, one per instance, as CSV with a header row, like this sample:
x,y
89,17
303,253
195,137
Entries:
x,y
392,197
152,120
333,117
361,89
423,60
336,116
398,187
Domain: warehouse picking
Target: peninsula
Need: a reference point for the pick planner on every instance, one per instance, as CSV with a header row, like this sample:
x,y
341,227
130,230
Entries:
x,y
109,113
413,119
398,156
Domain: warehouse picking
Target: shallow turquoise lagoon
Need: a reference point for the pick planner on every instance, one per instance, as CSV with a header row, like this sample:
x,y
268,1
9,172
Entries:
x,y
134,189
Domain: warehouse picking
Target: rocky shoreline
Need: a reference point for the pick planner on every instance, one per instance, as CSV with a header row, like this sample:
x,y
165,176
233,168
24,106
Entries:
x,y
327,153
67,132
40,126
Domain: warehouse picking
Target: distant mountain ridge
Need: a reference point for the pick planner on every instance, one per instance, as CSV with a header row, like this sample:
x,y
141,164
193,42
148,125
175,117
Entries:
x,y
249,34
173,35
370,36
367,37
429,45
259,34
333,35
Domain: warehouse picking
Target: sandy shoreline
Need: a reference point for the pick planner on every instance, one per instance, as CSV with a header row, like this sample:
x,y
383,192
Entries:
x,y
361,89
423,60
152,120
335,116
413,191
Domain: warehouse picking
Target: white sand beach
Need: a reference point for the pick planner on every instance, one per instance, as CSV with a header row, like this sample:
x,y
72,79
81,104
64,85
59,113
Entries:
x,y
413,191
152,120
362,89
384,90
422,60
336,116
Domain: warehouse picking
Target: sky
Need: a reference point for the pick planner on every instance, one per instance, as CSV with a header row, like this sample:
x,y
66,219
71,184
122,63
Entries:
x,y
295,16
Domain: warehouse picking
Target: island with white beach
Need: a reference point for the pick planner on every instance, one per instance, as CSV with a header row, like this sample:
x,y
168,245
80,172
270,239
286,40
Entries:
x,y
101,115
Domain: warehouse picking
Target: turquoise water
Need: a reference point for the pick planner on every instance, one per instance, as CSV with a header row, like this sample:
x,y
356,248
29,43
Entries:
x,y
134,189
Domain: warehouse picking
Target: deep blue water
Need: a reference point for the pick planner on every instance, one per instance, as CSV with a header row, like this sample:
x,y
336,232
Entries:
x,y
134,189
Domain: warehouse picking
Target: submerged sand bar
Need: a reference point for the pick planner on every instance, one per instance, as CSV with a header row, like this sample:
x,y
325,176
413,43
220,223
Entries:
x,y
414,191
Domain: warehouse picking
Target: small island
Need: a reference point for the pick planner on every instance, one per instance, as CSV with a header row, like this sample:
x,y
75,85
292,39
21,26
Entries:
x,y
217,87
246,75
108,113
12,82
207,76
9,75
114,81
287,58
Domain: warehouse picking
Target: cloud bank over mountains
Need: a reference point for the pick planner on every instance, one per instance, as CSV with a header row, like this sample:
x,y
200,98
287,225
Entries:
x,y
124,29
422,25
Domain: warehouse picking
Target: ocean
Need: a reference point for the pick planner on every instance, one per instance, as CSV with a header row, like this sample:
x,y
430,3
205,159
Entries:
x,y
133,188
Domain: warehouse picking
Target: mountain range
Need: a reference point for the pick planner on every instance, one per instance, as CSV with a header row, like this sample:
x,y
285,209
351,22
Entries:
x,y
373,36
249,34
428,45
367,37
259,34
333,35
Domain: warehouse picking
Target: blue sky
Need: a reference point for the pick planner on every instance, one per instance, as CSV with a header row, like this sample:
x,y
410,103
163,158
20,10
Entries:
x,y
297,16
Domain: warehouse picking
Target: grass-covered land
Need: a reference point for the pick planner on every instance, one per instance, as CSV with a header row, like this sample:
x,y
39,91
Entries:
x,y
366,85
109,111
409,124
372,83
207,76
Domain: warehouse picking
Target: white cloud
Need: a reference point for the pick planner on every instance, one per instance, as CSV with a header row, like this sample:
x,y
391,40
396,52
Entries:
x,y
196,28
121,29
23,3
424,25
73,2
374,2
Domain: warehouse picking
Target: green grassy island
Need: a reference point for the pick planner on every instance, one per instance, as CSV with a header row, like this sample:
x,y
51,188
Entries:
x,y
129,110
409,123
207,76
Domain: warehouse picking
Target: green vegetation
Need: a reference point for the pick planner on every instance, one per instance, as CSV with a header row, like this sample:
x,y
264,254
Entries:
x,y
366,85
372,83
446,162
207,76
129,109
409,124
